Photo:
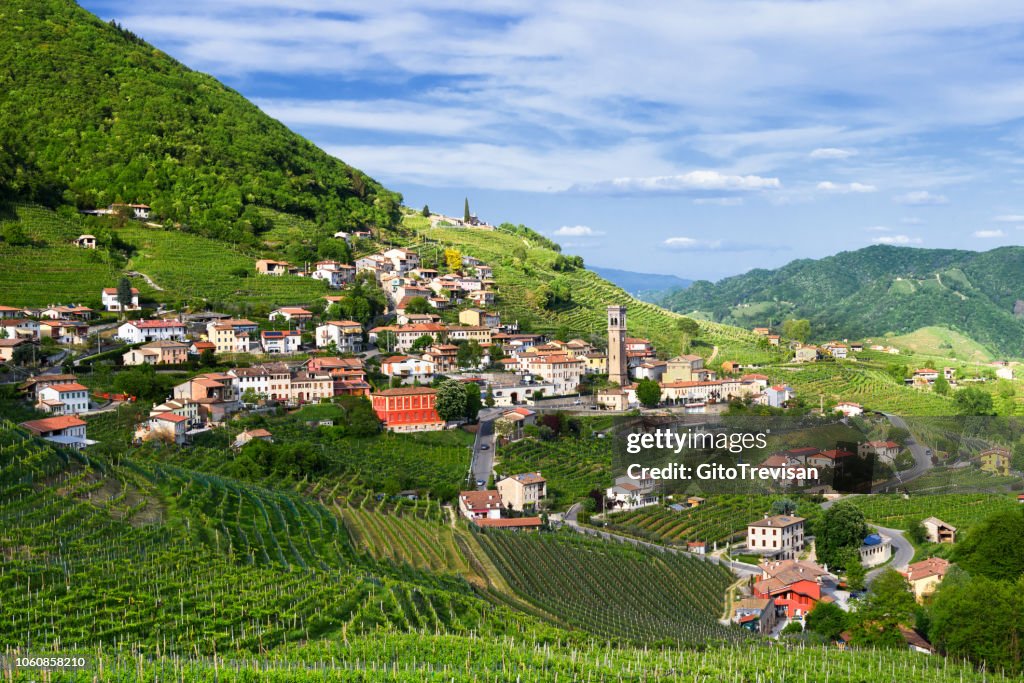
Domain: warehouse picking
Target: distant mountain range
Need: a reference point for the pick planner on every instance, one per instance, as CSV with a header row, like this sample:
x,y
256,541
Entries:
x,y
877,290
647,286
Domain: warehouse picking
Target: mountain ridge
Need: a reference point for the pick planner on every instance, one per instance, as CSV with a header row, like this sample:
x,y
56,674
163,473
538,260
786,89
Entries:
x,y
876,290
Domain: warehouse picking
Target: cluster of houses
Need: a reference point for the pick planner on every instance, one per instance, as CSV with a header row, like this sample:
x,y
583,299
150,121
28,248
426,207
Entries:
x,y
503,506
19,326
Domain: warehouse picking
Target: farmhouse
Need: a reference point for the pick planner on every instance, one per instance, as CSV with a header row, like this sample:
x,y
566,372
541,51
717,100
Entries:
x,y
480,504
7,347
64,399
280,341
996,461
885,451
780,537
408,369
232,335
346,335
299,316
407,409
925,576
794,585
523,491
265,266
168,427
66,430
165,352
139,331
111,302
755,614
629,493
937,531
252,435
850,409
335,274
85,241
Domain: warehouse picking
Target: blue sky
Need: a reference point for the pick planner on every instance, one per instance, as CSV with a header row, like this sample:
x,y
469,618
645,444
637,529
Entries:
x,y
697,138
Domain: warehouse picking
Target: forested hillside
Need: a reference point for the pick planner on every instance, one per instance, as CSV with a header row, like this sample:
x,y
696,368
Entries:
x,y
878,290
91,115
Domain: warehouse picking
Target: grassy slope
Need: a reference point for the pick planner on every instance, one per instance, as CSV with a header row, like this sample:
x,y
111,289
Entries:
x,y
185,265
941,342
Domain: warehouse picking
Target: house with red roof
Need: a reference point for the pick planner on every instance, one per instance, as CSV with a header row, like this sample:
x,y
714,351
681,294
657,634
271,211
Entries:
x,y
111,303
69,398
140,331
794,585
66,430
167,427
480,504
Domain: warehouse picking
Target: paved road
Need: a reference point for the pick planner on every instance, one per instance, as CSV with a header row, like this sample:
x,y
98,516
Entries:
x,y
922,461
902,550
902,553
482,464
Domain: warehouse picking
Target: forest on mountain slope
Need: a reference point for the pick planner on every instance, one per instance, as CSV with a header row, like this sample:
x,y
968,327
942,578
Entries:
x,y
875,291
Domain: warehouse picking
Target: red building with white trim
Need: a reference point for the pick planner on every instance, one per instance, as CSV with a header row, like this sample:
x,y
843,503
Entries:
x,y
407,409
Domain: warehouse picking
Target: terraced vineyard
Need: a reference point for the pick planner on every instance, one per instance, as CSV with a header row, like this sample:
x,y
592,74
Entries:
x,y
720,518
960,510
61,271
220,567
193,267
418,534
428,462
872,388
573,467
615,590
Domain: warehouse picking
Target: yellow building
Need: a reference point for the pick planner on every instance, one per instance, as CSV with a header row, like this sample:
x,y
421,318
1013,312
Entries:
x,y
996,461
925,576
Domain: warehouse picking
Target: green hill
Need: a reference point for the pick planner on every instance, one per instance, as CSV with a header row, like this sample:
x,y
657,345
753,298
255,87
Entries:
x,y
92,114
877,291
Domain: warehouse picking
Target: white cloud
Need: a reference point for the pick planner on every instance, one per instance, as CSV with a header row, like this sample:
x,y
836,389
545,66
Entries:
x,y
380,115
845,188
897,240
832,153
694,181
878,228
718,201
1009,218
921,198
693,244
988,234
577,231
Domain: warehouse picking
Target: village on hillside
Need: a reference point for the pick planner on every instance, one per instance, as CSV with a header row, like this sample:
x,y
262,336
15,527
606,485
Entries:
x,y
441,334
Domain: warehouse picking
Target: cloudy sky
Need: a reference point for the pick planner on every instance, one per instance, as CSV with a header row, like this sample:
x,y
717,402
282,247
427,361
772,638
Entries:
x,y
697,138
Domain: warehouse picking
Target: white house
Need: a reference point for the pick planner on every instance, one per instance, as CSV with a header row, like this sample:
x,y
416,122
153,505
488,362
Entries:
x,y
298,316
139,331
110,302
780,537
333,273
66,430
480,504
408,369
64,399
346,335
402,260
629,493
281,341
163,427
885,451
777,395
850,409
